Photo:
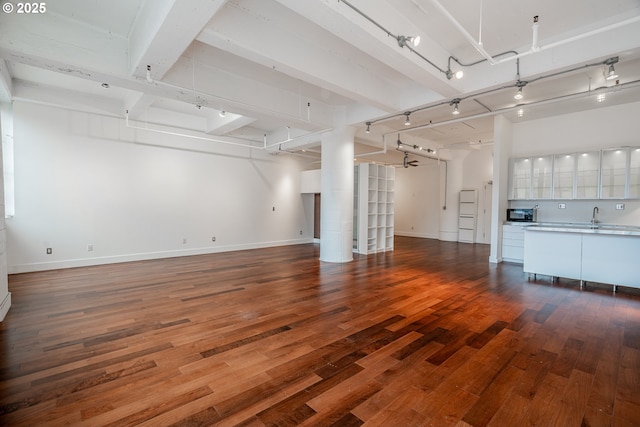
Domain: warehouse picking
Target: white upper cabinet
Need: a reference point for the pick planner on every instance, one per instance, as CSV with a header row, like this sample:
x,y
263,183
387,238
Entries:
x,y
564,173
614,174
542,177
587,175
634,173
520,179
606,174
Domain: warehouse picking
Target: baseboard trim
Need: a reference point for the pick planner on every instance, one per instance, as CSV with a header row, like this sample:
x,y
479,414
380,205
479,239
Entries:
x,y
87,262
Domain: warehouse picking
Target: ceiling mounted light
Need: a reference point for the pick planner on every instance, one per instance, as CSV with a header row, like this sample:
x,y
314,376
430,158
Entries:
x,y
611,74
450,74
520,85
521,113
408,40
222,113
455,103
407,121
368,130
601,97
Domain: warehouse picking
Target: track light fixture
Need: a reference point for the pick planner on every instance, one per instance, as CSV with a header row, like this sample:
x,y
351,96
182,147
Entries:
x,y
450,74
368,130
408,40
455,103
407,121
611,72
520,84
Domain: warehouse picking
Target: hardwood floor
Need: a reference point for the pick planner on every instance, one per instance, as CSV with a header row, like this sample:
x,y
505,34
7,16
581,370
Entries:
x,y
430,334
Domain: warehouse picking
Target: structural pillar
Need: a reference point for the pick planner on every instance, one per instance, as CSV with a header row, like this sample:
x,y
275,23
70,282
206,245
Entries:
x,y
336,182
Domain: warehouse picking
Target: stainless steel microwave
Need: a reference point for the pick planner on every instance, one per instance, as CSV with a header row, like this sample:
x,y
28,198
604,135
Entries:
x,y
521,215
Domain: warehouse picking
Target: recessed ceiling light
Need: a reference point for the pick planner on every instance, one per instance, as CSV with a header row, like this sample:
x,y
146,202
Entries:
x,y
105,85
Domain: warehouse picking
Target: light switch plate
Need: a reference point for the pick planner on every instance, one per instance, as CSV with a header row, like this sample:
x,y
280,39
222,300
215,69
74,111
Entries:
x,y
620,206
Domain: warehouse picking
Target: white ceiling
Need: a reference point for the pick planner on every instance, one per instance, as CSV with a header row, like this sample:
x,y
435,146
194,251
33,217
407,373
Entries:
x,y
288,68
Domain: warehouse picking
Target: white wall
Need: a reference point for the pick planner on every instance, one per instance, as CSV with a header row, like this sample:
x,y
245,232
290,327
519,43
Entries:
x,y
420,193
478,171
83,179
607,127
417,205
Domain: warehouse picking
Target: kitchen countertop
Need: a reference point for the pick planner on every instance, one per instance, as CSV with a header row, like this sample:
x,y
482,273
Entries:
x,y
622,230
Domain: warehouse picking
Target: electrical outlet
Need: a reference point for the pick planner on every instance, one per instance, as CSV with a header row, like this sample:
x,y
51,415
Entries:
x,y
49,251
620,206
301,232
213,239
184,240
562,206
89,247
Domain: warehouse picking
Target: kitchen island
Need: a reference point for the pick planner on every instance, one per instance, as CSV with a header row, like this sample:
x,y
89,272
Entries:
x,y
599,253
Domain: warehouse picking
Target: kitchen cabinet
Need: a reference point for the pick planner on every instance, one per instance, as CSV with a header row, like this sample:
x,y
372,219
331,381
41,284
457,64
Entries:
x,y
589,255
375,208
541,177
634,173
513,243
605,174
553,253
564,172
611,259
520,188
587,175
613,174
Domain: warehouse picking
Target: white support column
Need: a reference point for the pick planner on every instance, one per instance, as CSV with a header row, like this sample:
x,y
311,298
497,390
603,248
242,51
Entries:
x,y
336,216
502,143
5,295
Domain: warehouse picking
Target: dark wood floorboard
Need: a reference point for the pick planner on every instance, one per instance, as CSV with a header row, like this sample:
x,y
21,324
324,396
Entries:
x,y
430,334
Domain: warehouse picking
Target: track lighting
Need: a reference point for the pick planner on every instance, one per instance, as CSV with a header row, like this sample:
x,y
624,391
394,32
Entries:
x,y
408,40
611,73
520,85
455,103
368,130
450,74
518,94
407,121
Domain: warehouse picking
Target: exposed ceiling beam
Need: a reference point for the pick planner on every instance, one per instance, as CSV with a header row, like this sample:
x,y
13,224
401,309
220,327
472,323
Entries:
x,y
63,44
323,60
6,84
163,30
217,125
356,30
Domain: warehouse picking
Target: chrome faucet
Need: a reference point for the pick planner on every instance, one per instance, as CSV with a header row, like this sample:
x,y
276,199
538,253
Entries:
x,y
594,217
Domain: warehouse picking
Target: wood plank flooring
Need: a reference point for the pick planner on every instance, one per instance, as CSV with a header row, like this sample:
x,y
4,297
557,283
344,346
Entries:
x,y
428,335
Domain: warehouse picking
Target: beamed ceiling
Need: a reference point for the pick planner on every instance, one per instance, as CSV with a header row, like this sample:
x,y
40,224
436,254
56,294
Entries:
x,y
290,69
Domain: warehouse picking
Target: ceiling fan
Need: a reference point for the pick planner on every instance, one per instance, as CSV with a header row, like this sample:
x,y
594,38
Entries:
x,y
406,162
